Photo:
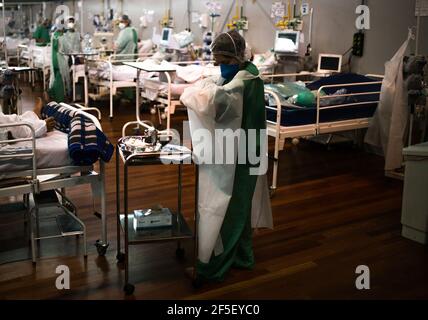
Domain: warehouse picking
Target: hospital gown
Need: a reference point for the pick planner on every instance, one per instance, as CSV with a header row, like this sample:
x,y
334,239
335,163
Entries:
x,y
22,132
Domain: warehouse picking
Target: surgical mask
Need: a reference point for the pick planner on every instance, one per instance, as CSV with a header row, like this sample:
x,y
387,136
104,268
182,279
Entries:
x,y
122,26
228,71
70,25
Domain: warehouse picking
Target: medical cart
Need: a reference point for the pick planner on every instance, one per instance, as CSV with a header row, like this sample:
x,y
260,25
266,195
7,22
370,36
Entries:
x,y
179,231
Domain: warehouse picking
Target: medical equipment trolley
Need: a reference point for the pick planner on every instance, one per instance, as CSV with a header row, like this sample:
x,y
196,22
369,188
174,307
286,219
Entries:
x,y
179,230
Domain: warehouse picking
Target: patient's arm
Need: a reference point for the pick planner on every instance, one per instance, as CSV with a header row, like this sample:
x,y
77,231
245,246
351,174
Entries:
x,y
30,117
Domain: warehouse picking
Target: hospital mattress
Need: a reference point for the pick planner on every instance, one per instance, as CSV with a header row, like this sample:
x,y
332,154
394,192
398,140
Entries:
x,y
292,115
51,152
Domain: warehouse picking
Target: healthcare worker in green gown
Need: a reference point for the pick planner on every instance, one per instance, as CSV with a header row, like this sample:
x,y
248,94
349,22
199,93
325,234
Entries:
x,y
127,41
59,66
227,191
41,35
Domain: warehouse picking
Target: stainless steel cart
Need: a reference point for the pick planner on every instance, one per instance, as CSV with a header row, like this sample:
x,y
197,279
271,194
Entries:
x,y
179,231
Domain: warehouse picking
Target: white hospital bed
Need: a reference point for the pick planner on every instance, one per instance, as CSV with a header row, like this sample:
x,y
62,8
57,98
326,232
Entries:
x,y
11,46
38,58
277,129
35,165
164,91
111,74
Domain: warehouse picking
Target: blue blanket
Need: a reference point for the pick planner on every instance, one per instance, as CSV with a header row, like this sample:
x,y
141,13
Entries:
x,y
86,143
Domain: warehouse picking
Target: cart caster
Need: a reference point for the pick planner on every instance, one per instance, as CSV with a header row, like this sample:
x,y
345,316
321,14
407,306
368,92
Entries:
x,y
101,248
120,257
163,116
110,118
295,141
152,111
129,289
180,253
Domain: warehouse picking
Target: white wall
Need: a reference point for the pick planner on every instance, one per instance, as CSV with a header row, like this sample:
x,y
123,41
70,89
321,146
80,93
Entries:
x,y
334,24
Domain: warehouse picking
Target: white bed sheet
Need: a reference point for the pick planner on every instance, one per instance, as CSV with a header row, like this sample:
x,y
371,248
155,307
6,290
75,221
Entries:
x,y
51,152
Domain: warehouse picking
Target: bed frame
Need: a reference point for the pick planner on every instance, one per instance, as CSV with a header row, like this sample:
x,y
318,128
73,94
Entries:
x,y
168,102
34,57
111,84
38,180
280,133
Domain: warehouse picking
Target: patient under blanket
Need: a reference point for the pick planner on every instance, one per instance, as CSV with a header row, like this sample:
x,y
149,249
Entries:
x,y
86,143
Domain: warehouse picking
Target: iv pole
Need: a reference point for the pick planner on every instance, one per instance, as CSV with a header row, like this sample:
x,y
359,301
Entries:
x,y
4,32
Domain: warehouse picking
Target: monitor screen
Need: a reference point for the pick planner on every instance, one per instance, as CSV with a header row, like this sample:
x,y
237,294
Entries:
x,y
290,36
165,34
330,63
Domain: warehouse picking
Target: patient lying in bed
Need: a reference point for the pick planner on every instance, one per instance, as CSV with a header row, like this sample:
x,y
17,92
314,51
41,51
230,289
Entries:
x,y
41,127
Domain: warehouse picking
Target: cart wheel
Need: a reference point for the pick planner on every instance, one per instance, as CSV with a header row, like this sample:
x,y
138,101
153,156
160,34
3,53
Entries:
x,y
101,248
272,191
129,289
110,118
180,253
152,111
163,116
120,257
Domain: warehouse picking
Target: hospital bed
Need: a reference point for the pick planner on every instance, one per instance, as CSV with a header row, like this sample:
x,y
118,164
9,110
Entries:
x,y
164,89
343,102
112,74
38,58
11,46
30,166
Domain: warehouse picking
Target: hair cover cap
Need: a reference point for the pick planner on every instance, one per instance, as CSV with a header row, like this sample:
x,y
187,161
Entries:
x,y
230,44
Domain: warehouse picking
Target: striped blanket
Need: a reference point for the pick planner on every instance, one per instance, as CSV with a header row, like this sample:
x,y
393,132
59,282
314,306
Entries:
x,y
86,143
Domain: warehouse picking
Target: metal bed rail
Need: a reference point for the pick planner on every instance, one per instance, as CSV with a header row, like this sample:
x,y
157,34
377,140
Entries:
x,y
38,61
348,85
110,62
168,101
31,154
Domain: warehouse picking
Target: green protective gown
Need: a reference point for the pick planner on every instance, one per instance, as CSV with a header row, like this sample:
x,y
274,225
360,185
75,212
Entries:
x,y
42,33
56,85
127,41
236,230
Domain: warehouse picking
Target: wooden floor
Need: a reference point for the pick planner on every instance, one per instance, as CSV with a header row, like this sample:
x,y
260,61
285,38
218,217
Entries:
x,y
333,210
